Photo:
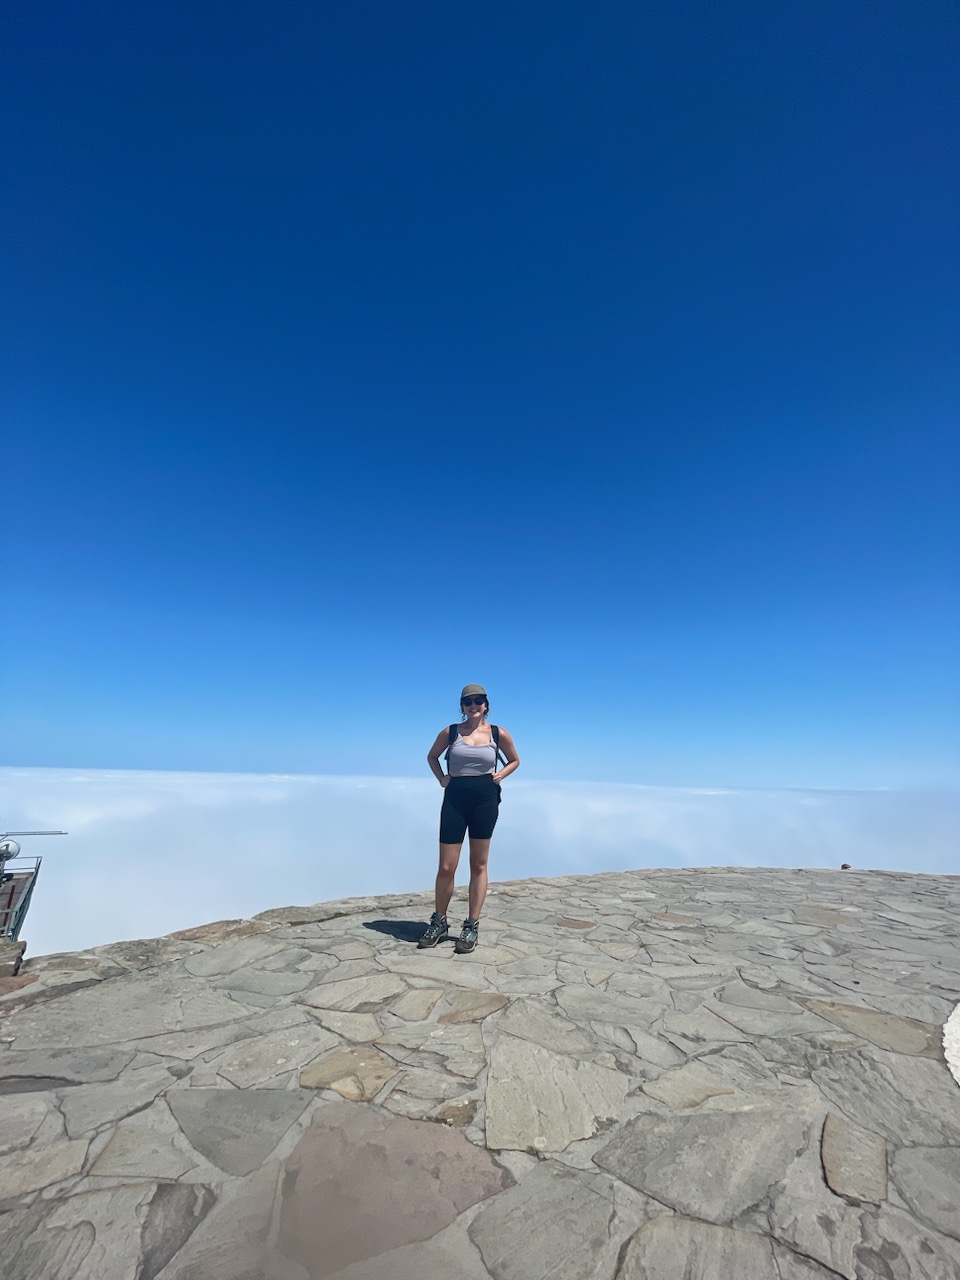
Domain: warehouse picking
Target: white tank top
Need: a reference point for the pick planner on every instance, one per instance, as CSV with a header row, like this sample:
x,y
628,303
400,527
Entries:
x,y
465,761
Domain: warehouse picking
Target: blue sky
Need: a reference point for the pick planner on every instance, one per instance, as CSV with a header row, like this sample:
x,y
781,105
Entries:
x,y
602,354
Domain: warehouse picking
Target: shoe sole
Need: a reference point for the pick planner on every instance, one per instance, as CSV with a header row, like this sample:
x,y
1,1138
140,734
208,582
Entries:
x,y
464,951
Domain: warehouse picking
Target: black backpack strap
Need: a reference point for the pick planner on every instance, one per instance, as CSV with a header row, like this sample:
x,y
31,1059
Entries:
x,y
451,739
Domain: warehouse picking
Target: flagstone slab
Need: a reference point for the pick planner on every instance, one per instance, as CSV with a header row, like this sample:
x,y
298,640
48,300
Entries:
x,y
342,909
39,1069
431,1086
491,953
526,1233
758,1021
672,1247
854,1160
228,957
452,970
928,1178
43,989
115,1234
910,1101
348,969
60,962
184,1046
229,1243
352,949
20,1118
892,1246
653,1049
416,1005
711,1165
538,1100
462,1112
827,916
350,1026
29,1250
574,974
805,1215
799,1055
419,1094
278,1018
359,1184
145,953
793,1266
148,1144
252,1061
356,1072
264,982
586,1004
89,1107
251,999
221,931
688,1086
542,1024
907,1002
748,1071
37,1167
450,1253
470,1006
136,1229
10,984
532,967
236,1129
900,1035
703,1027
521,985
745,996
121,1010
356,995
824,946
318,962
454,1040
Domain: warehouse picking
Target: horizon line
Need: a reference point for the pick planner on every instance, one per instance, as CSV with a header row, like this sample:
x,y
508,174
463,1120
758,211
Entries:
x,y
701,788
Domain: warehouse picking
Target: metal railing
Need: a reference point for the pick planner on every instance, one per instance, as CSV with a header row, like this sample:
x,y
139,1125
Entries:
x,y
18,876
16,881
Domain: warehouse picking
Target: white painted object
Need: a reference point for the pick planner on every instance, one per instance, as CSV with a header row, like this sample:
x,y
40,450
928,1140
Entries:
x,y
951,1043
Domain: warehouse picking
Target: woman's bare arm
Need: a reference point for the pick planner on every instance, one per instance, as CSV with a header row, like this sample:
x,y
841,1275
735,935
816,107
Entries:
x,y
510,751
434,754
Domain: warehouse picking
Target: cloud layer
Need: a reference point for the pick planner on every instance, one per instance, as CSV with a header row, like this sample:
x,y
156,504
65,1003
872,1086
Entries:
x,y
151,852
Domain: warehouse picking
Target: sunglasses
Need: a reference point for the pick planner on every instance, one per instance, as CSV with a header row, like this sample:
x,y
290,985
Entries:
x,y
470,702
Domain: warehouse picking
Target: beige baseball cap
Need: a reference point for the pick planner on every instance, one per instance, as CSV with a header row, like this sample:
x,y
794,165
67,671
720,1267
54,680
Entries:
x,y
472,690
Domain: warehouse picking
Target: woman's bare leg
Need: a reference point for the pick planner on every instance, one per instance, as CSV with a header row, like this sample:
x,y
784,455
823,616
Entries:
x,y
479,853
449,857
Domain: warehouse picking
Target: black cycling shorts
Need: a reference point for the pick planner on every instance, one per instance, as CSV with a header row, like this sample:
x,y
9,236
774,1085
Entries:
x,y
469,803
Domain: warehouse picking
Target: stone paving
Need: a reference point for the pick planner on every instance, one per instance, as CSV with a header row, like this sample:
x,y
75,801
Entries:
x,y
654,1075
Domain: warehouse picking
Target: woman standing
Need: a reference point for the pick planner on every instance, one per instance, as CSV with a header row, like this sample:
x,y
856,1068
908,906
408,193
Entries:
x,y
471,800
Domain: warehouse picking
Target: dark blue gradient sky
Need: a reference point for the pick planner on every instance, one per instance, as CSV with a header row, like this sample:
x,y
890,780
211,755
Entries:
x,y
604,353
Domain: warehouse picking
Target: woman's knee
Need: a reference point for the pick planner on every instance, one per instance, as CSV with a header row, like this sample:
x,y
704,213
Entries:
x,y
479,853
449,859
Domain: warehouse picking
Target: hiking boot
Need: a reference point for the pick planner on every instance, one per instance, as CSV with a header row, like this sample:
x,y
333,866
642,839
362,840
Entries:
x,y
469,936
435,930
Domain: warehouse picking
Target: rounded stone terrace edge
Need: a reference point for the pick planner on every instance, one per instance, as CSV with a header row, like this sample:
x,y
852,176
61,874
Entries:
x,y
697,1073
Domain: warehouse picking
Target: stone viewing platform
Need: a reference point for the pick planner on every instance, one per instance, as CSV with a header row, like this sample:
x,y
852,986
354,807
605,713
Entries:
x,y
724,1074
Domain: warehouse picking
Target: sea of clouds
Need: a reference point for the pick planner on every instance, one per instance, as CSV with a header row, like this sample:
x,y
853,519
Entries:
x,y
148,853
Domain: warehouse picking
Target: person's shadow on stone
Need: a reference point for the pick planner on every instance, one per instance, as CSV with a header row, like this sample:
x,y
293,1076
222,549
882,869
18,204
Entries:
x,y
405,930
